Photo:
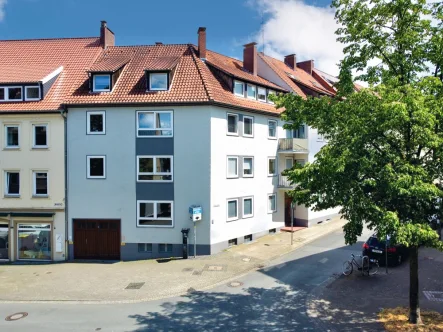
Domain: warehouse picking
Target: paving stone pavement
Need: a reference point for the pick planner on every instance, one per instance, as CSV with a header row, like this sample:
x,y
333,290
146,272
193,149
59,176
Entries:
x,y
108,282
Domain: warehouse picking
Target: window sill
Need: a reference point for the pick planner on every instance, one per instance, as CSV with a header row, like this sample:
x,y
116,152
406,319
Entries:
x,y
248,216
272,175
248,176
273,138
11,148
154,226
232,177
96,177
96,133
272,212
40,196
155,181
11,196
233,219
232,134
248,136
45,147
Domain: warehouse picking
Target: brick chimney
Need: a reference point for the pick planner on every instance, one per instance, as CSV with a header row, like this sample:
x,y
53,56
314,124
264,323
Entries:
x,y
291,60
307,66
202,42
250,58
107,37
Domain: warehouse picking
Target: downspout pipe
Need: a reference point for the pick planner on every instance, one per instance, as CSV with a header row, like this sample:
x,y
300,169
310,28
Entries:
x,y
63,113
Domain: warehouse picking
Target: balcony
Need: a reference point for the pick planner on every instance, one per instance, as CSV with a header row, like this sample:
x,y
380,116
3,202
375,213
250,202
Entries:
x,y
284,183
293,145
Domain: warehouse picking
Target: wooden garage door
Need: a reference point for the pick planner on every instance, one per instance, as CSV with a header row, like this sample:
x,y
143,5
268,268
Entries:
x,y
97,239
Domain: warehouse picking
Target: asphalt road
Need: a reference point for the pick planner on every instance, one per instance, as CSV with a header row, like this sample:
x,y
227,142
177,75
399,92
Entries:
x,y
271,299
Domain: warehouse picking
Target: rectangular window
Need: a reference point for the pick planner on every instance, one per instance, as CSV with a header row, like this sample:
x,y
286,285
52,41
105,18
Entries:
x,y
15,93
248,207
248,167
96,123
232,124
32,93
165,247
96,167
145,247
34,241
272,203
261,94
2,94
232,242
40,136
252,91
272,129
248,238
40,183
155,214
270,92
239,88
154,124
232,168
232,209
12,183
248,126
272,166
101,83
12,136
300,132
158,81
154,168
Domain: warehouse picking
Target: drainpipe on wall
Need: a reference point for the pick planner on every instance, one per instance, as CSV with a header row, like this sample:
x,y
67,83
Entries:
x,y
63,113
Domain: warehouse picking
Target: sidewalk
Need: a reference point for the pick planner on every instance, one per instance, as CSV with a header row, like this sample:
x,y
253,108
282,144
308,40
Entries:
x,y
107,283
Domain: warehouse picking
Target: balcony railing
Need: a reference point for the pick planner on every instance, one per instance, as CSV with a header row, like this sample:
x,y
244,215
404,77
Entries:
x,y
283,182
295,145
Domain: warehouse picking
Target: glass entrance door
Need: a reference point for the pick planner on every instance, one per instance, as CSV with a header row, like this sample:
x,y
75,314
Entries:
x,y
4,242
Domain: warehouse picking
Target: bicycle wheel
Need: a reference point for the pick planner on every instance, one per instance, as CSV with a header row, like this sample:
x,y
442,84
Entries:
x,y
373,268
347,268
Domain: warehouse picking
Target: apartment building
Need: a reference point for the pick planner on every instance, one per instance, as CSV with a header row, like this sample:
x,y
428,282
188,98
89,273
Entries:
x,y
35,76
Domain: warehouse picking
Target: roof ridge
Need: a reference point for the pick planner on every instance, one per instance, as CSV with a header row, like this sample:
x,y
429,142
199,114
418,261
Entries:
x,y
39,39
194,57
145,45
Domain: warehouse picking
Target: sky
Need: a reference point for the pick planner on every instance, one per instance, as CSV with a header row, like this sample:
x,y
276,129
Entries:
x,y
305,28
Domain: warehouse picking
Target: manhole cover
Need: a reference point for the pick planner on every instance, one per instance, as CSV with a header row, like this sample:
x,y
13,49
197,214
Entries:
x,y
434,296
187,269
197,273
246,259
215,268
135,285
16,316
235,284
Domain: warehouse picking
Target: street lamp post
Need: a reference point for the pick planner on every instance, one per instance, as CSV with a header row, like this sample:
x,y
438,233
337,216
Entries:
x,y
292,223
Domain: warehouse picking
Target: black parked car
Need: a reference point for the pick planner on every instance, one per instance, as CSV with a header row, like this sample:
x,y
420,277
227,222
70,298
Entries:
x,y
375,248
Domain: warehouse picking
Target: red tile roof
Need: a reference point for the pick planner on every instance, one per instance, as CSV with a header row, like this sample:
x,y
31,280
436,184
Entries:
x,y
290,76
109,64
27,61
163,63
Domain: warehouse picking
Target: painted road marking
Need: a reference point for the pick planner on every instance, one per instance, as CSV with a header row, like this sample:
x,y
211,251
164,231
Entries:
x,y
324,260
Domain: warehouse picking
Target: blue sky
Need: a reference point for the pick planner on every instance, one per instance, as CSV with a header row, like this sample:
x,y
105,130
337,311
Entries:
x,y
230,23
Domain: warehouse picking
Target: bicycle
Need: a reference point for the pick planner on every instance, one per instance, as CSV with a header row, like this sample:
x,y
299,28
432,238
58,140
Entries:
x,y
367,265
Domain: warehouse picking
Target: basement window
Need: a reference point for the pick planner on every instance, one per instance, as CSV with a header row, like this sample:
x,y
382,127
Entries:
x,y
232,242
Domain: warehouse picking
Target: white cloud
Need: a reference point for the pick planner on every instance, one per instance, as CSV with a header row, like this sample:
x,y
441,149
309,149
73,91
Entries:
x,y
2,9
296,27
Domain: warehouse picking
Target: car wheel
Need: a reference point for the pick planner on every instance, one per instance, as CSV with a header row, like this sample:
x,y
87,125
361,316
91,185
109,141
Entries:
x,y
399,259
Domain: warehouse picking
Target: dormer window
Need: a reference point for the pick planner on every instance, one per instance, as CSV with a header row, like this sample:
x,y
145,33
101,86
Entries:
x,y
32,93
158,81
270,92
101,83
11,93
261,95
252,91
239,88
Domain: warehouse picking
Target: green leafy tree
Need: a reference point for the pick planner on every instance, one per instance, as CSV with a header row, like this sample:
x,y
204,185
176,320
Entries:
x,y
383,161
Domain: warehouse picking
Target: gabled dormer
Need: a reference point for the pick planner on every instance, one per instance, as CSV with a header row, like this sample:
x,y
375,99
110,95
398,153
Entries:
x,y
160,73
31,89
104,74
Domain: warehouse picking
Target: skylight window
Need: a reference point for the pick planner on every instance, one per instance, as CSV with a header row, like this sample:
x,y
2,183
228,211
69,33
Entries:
x,y
101,83
158,81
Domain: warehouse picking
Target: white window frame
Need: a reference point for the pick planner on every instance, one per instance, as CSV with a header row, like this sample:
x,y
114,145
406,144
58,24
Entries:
x,y
155,214
276,129
252,207
275,171
88,167
227,167
252,125
88,122
243,167
155,129
6,89
167,81
270,92
32,87
243,88
94,89
34,180
34,146
154,164
6,183
247,91
269,205
227,209
266,96
227,124
320,137
6,136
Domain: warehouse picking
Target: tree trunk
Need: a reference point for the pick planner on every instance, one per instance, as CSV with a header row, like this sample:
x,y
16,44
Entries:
x,y
414,306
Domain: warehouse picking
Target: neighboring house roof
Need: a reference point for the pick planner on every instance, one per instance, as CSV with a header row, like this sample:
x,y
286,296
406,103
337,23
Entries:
x,y
193,82
293,76
331,81
30,61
